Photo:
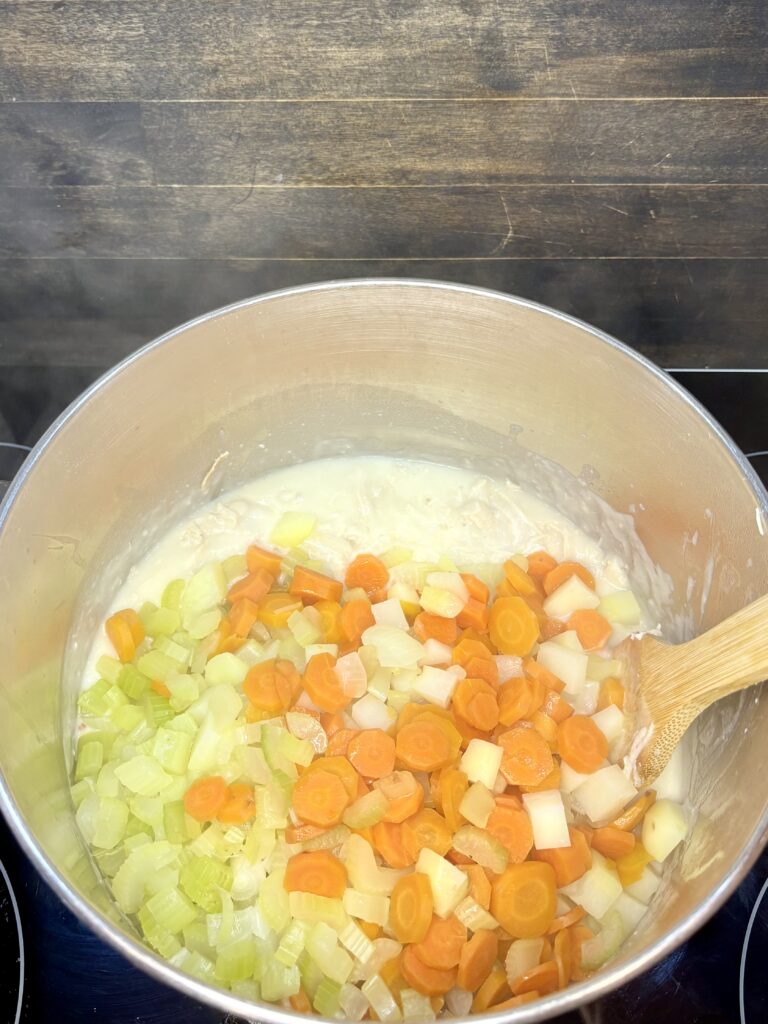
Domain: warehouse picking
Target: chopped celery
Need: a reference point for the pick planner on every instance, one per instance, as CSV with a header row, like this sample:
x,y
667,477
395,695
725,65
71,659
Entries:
x,y
292,529
354,939
86,816
481,847
279,982
310,908
366,906
473,916
206,589
304,631
202,879
172,750
195,937
91,702
273,901
166,944
597,950
326,998
381,999
311,975
195,964
292,943
234,567
157,665
329,840
260,842
110,861
323,946
246,989
143,775
237,961
148,809
90,758
173,649
171,596
171,909
253,763
205,624
246,877
367,810
175,822
110,823
205,751
81,790
137,833
183,723
271,805
132,682
161,622
109,668
283,750
364,873
142,862
417,1007
227,669
127,717
157,708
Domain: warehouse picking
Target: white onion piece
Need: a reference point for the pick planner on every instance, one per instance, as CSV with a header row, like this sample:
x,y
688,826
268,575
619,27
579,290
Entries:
x,y
449,581
509,666
389,613
352,675
371,713
436,653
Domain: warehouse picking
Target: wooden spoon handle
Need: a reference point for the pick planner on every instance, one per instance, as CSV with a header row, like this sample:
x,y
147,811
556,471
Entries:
x,y
729,657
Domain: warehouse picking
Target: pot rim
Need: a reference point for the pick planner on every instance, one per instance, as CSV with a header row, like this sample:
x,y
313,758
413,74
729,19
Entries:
x,y
570,998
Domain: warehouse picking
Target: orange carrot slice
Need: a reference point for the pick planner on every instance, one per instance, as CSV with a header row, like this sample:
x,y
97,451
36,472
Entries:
x,y
318,872
513,627
581,744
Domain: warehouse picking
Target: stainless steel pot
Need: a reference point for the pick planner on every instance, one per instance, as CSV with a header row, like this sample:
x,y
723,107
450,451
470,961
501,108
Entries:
x,y
430,370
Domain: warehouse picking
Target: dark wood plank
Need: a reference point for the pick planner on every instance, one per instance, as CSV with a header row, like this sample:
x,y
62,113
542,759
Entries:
x,y
539,222
93,312
72,144
190,49
385,143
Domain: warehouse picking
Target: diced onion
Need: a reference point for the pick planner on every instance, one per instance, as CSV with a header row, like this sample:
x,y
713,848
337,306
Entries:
x,y
352,675
389,613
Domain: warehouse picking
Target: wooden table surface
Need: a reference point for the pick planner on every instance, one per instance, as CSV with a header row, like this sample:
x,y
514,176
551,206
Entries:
x,y
159,158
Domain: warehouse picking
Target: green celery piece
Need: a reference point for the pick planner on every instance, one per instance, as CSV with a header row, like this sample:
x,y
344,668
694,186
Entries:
x,y
234,567
195,937
91,702
172,594
311,975
326,998
183,723
237,961
259,843
143,775
291,944
109,668
273,901
159,666
133,683
175,822
145,611
172,910
102,736
271,805
126,719
158,708
248,989
278,982
111,822
81,790
173,649
201,878
172,750
162,622
114,699
166,944
89,760
185,689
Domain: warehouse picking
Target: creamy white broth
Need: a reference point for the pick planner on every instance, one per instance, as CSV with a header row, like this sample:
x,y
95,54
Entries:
x,y
369,503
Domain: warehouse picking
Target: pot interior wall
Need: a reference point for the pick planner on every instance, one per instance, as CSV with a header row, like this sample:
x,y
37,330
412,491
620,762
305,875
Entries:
x,y
418,370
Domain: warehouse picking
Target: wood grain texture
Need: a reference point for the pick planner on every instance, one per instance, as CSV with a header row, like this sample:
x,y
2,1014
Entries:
x,y
82,312
240,49
532,222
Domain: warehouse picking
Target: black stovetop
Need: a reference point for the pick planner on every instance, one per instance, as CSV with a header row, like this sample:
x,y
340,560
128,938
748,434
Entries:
x,y
69,976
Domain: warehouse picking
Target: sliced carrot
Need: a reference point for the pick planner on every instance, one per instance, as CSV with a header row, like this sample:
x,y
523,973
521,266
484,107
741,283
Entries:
x,y
513,627
330,621
477,589
125,633
549,628
372,753
527,759
320,798
569,862
160,688
441,946
339,742
323,684
275,609
551,781
512,827
540,563
427,626
356,617
542,979
475,700
611,692
260,558
453,785
592,629
515,699
574,915
545,727
242,615
562,954
332,722
410,908
300,1002
632,865
579,934
240,805
301,833
318,872
205,798
479,886
563,572
631,817
427,980
373,931
272,685
474,615
388,841
515,1001
521,581
340,767
483,668
426,829
535,671
468,648
523,899
367,572
403,803
493,989
423,746
581,744
254,586
312,586
557,707
613,842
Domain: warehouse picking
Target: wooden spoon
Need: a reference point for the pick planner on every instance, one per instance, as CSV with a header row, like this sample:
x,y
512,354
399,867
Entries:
x,y
667,685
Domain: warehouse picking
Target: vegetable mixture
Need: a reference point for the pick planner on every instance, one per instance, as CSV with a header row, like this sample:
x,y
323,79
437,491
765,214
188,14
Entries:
x,y
390,797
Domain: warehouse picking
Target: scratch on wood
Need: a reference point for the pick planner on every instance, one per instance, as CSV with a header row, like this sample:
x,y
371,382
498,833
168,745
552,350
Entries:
x,y
510,230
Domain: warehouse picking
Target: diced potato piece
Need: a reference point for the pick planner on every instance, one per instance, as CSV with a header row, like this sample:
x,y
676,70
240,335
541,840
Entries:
x,y
449,581
572,596
610,722
567,664
644,888
600,668
570,779
477,804
292,529
436,685
674,782
547,814
621,607
598,889
568,638
606,792
523,955
664,826
441,602
481,762
630,910
390,613
449,885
